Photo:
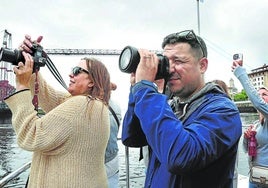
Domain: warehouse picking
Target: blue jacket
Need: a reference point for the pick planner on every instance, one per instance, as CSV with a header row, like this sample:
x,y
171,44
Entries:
x,y
199,150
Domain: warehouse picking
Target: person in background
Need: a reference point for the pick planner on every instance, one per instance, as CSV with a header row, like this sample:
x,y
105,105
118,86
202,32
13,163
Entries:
x,y
194,140
111,154
259,100
69,141
224,87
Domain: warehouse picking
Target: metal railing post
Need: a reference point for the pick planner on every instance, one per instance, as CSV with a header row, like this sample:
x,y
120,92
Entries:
x,y
14,174
127,166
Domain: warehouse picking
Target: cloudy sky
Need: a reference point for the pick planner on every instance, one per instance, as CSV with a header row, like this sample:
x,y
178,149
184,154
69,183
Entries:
x,y
228,27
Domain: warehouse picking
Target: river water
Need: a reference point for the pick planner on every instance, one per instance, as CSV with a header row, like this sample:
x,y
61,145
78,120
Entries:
x,y
12,157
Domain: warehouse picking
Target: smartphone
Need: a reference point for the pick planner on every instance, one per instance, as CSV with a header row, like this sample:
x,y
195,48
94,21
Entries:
x,y
238,57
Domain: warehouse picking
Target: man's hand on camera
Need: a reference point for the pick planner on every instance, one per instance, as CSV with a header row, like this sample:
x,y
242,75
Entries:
x,y
147,67
160,85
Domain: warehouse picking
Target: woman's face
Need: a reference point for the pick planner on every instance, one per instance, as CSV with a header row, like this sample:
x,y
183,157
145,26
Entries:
x,y
264,94
81,83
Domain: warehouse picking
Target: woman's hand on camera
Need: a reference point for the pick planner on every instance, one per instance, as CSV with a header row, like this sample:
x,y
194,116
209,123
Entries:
x,y
23,72
27,43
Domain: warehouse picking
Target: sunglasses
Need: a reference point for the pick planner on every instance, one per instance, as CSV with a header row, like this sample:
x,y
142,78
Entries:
x,y
78,70
187,35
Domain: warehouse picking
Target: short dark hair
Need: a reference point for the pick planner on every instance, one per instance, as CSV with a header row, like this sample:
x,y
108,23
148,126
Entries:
x,y
189,37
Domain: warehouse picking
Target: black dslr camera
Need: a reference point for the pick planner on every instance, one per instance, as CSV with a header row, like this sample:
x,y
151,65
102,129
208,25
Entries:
x,y
130,58
15,56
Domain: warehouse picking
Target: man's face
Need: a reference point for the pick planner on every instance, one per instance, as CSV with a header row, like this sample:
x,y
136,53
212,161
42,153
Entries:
x,y
187,71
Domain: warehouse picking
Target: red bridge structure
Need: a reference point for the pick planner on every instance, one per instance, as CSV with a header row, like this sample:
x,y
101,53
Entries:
x,y
6,77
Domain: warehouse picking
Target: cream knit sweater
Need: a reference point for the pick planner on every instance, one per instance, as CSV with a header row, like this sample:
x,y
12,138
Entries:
x,y
68,143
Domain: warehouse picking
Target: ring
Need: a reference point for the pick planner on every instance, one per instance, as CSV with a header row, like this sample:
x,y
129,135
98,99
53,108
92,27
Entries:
x,y
18,67
21,47
147,56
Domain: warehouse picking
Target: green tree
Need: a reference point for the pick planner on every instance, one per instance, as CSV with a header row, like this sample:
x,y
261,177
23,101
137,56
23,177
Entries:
x,y
242,96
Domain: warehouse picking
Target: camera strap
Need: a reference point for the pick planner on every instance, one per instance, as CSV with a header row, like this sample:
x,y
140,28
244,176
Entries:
x,y
115,116
36,90
55,72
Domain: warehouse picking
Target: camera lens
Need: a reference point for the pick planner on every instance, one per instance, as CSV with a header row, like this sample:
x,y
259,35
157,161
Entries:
x,y
129,59
12,56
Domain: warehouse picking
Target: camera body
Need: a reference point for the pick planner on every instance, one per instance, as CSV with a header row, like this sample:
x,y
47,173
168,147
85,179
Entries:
x,y
238,57
15,56
130,58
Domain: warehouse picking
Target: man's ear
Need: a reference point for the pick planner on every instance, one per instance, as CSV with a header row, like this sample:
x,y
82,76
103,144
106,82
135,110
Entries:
x,y
203,65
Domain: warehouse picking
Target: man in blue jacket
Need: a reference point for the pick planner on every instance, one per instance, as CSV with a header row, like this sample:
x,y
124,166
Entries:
x,y
193,140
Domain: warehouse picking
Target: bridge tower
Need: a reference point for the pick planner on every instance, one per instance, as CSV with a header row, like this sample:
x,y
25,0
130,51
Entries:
x,y
6,72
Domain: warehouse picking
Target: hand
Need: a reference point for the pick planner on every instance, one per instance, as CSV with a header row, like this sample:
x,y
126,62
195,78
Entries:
x,y
247,133
27,43
23,72
132,79
160,85
147,67
237,64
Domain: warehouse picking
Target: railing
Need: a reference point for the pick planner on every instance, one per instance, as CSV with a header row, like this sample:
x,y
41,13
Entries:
x,y
83,51
14,174
245,106
26,166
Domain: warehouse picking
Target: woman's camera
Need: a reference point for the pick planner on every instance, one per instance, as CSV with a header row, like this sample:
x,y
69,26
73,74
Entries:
x,y
130,58
15,56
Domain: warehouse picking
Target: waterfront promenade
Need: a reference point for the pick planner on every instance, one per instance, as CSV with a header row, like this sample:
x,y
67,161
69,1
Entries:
x,y
137,169
12,157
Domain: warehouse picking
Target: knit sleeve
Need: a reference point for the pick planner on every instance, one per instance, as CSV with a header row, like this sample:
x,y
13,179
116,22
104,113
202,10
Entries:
x,y
252,93
45,133
48,97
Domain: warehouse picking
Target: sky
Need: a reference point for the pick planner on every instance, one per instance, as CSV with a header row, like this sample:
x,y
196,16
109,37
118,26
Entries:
x,y
227,26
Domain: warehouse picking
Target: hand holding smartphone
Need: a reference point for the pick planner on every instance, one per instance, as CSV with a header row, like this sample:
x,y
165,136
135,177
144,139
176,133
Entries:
x,y
239,58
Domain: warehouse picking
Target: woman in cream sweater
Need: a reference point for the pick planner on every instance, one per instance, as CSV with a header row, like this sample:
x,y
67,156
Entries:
x,y
69,141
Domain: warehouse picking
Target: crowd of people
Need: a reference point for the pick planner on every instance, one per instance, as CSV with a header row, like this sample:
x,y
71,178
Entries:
x,y
189,128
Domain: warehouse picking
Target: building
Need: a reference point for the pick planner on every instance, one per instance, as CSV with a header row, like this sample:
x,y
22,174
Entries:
x,y
231,88
259,76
